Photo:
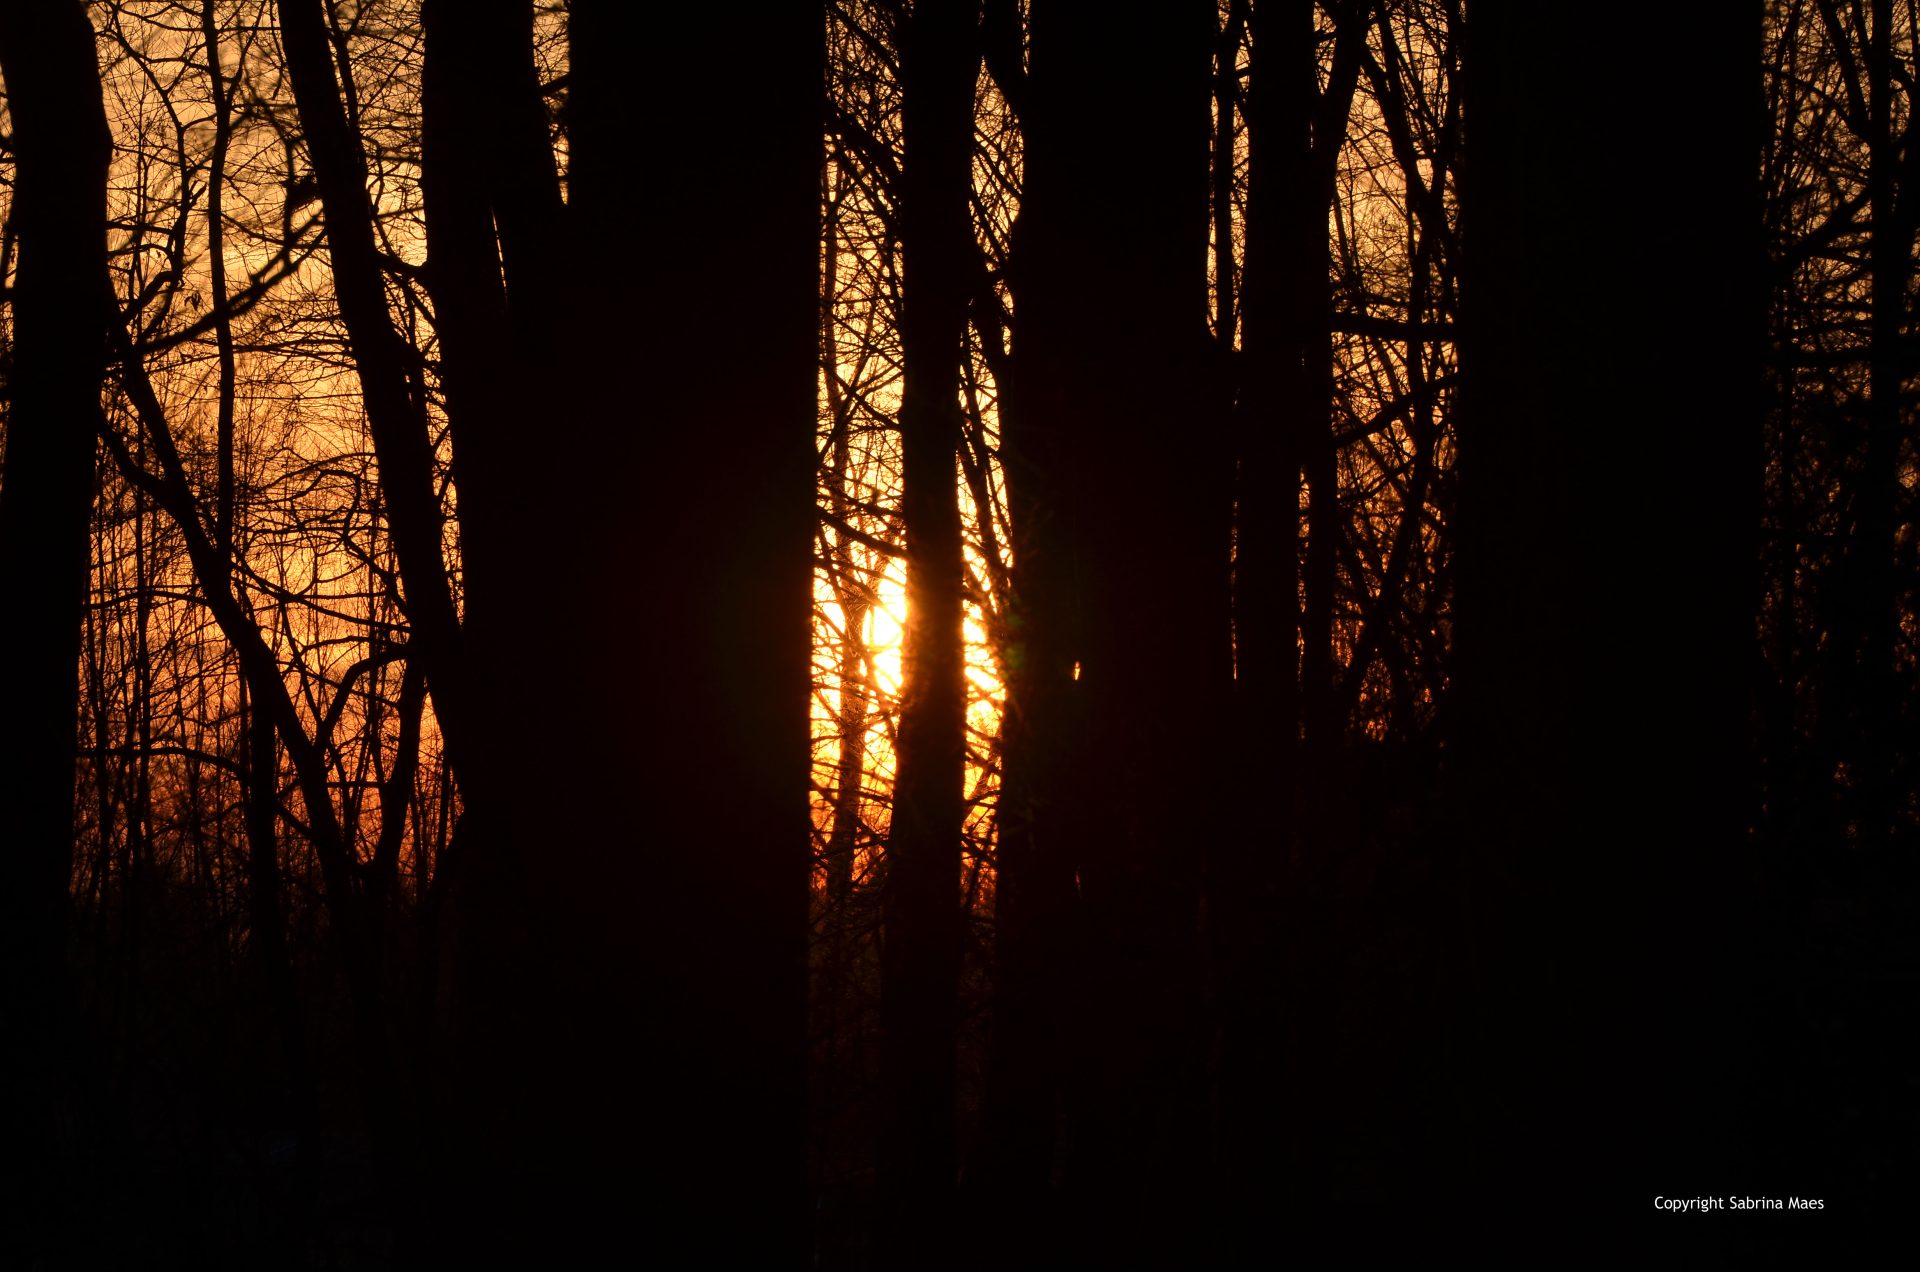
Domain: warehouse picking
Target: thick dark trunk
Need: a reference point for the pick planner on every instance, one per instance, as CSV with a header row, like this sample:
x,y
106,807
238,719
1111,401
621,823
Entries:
x,y
1284,272
922,923
1282,246
1119,658
1267,901
1604,620
478,362
492,214
509,541
1035,893
654,1021
60,150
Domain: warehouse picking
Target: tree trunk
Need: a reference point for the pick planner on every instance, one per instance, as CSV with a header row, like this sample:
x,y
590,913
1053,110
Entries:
x,y
498,339
60,147
1267,905
1119,656
654,1022
922,923
1604,615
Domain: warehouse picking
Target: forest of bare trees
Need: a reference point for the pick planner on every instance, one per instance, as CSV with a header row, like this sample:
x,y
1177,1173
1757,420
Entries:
x,y
950,634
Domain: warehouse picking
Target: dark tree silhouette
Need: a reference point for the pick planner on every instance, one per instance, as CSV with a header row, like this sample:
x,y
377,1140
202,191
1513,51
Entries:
x,y
1604,761
921,937
689,465
58,217
495,231
1118,661
1275,982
